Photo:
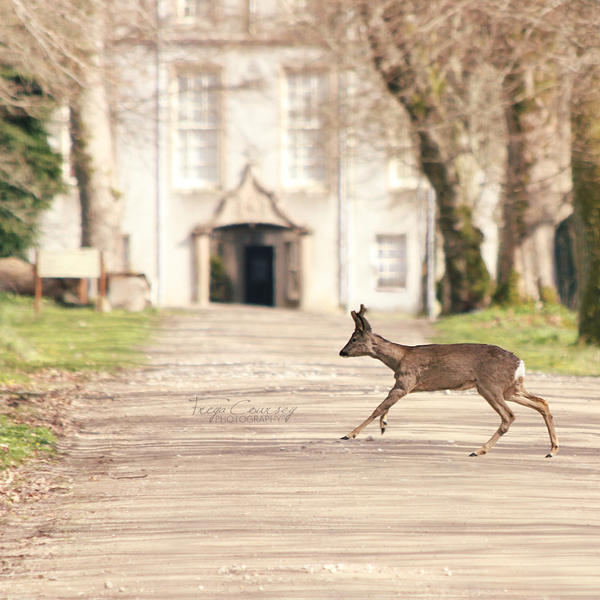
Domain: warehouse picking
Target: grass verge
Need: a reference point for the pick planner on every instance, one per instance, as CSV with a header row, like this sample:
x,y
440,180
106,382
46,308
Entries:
x,y
545,337
61,342
67,339
19,441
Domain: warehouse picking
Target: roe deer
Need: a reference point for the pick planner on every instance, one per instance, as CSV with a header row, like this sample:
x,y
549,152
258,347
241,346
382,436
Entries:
x,y
497,374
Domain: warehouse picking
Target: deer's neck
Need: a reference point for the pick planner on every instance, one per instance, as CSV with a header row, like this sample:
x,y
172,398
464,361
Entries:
x,y
388,353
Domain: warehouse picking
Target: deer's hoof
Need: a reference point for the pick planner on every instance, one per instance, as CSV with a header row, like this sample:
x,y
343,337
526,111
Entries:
x,y
382,430
549,455
345,437
473,454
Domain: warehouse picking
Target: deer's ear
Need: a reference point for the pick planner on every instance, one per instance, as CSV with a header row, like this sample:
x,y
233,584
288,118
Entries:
x,y
365,326
358,324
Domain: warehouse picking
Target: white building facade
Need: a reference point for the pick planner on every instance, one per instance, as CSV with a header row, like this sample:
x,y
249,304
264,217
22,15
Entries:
x,y
234,153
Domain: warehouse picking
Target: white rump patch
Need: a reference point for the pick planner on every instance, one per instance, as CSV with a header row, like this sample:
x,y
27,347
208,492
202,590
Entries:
x,y
520,372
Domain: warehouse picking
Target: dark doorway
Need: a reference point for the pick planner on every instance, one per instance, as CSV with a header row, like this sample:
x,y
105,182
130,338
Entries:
x,y
259,275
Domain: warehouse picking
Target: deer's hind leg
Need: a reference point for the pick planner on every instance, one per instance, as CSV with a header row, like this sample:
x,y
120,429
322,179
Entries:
x,y
496,401
520,395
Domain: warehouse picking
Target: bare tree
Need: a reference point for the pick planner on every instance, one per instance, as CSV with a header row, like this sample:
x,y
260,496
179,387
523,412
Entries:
x,y
409,49
548,55
526,46
431,57
44,44
93,147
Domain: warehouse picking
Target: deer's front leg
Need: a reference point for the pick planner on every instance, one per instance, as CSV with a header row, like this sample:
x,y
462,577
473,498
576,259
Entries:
x,y
383,422
381,411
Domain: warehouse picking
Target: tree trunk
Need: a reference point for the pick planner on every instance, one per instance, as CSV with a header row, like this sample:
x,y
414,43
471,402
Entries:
x,y
537,184
93,155
466,280
586,200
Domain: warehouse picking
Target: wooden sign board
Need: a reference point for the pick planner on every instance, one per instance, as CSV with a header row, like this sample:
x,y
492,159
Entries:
x,y
80,263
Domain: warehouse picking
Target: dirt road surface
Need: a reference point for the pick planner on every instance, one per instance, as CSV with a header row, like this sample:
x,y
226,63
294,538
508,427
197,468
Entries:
x,y
217,472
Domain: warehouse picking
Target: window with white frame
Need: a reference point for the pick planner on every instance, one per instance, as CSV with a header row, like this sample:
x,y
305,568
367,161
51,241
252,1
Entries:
x,y
194,9
305,156
391,260
197,130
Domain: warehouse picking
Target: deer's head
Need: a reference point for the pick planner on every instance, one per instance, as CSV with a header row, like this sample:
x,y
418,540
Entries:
x,y
360,342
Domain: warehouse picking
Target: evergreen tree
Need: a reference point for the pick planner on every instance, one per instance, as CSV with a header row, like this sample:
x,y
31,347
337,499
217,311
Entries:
x,y
30,171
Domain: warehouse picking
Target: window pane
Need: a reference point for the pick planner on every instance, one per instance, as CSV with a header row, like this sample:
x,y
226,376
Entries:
x,y
391,261
305,146
198,116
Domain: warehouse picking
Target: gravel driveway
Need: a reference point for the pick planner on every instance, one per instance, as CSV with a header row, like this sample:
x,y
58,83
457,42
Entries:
x,y
217,472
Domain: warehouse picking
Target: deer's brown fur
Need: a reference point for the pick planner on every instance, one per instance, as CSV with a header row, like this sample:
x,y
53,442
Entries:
x,y
496,373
